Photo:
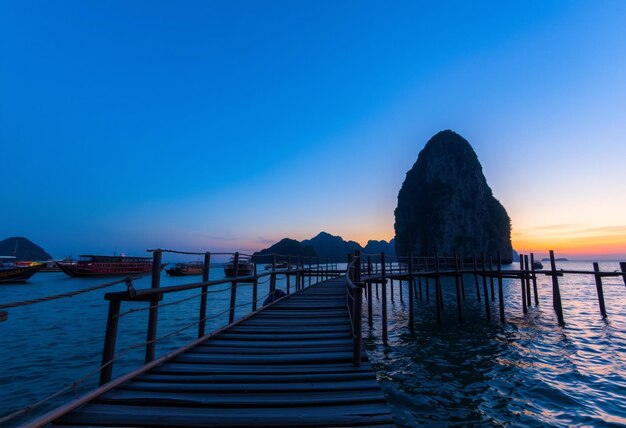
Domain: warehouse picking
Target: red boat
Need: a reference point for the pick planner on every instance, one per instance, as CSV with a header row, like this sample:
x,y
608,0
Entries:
x,y
91,265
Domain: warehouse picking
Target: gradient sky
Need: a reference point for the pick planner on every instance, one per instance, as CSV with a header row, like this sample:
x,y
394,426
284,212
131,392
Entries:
x,y
223,126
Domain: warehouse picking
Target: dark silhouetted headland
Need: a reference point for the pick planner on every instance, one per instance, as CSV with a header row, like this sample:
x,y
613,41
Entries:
x,y
445,204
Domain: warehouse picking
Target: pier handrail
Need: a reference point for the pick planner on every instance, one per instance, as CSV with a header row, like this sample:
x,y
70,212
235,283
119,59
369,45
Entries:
x,y
354,303
155,294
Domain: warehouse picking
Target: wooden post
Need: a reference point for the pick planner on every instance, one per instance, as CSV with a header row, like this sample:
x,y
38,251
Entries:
x,y
369,265
357,254
426,281
299,273
108,351
400,284
357,317
303,276
273,275
556,292
523,283
461,265
493,292
500,288
154,307
438,297
622,266
532,268
457,284
205,277
384,296
476,278
288,274
233,289
485,291
317,275
419,281
370,318
309,269
596,269
411,313
255,289
391,280
527,279
350,268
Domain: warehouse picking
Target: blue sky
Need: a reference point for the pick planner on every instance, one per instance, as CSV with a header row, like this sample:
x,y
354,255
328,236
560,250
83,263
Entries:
x,y
219,126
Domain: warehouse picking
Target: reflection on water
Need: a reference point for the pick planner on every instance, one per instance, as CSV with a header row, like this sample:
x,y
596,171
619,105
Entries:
x,y
529,372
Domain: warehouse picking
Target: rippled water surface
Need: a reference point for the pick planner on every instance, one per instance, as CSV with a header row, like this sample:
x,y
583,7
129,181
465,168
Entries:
x,y
529,372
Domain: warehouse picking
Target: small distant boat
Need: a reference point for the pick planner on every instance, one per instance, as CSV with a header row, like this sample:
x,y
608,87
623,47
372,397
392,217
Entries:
x,y
244,268
281,265
12,271
183,269
51,266
90,265
537,265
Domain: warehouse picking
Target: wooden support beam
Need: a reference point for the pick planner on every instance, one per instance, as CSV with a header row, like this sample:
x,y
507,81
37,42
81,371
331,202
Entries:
x,y
599,290
154,307
206,267
556,292
532,267
384,297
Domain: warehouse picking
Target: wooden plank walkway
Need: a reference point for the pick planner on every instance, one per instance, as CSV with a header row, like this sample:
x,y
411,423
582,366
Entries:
x,y
288,365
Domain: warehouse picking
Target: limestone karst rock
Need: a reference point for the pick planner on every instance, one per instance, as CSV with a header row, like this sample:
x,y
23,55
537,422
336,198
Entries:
x,y
446,206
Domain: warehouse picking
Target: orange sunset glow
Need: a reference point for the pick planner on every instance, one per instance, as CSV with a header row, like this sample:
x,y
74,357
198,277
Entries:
x,y
572,239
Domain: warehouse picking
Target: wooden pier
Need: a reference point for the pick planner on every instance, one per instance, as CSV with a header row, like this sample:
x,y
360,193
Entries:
x,y
291,363
296,361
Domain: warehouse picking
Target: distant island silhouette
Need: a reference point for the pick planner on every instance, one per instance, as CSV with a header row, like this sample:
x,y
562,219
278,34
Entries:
x,y
23,249
324,245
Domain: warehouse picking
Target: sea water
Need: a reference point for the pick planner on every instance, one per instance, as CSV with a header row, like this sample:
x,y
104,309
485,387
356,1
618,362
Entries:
x,y
529,371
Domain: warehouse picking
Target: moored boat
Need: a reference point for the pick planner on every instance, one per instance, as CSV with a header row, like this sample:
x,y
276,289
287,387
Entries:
x,y
183,269
537,265
11,271
281,265
90,265
245,267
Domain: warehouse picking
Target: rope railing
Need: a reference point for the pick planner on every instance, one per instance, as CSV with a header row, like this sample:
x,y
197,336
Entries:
x,y
69,293
186,299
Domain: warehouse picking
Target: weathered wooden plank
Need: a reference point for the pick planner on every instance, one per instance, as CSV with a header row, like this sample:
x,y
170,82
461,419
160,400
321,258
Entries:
x,y
234,343
346,347
291,329
282,336
254,378
317,358
296,322
282,387
193,368
352,415
249,399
